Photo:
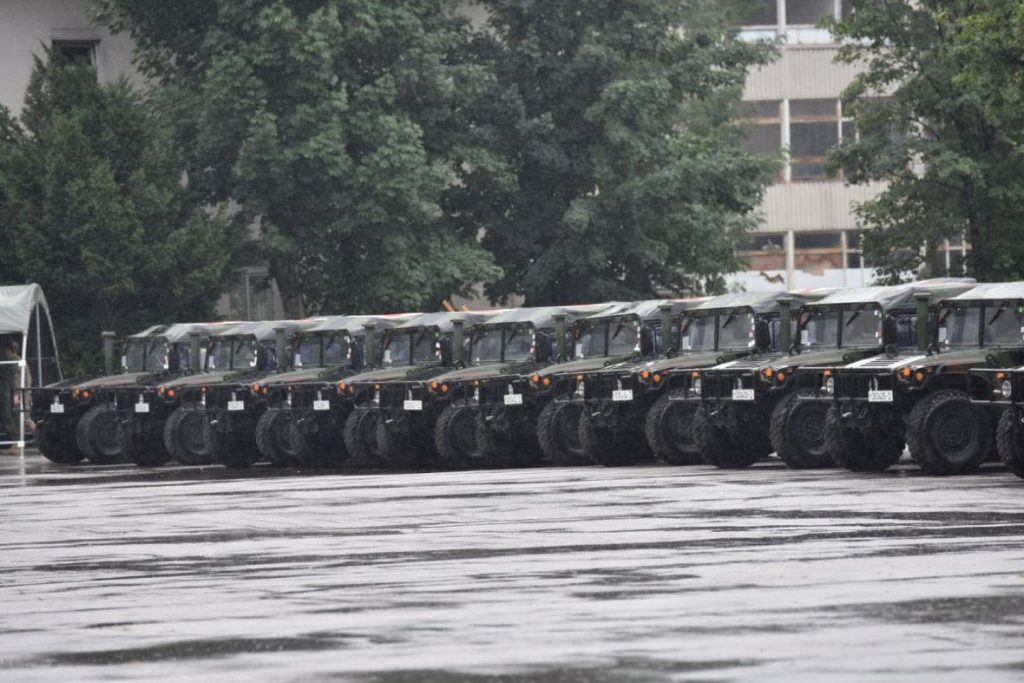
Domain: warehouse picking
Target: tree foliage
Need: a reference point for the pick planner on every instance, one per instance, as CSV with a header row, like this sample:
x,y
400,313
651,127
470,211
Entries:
x,y
93,208
340,127
614,118
937,109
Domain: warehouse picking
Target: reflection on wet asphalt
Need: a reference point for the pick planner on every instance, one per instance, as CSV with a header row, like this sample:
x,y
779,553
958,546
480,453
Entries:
x,y
556,575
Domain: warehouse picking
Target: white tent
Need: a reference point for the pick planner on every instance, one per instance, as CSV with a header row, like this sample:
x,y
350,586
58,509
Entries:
x,y
24,314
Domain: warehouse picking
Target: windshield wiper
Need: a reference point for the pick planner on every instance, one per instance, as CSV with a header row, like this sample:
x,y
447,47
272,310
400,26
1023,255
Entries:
x,y
997,314
732,316
856,314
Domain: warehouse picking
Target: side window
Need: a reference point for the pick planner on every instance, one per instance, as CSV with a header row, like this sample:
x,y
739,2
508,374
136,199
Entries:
x,y
906,325
776,329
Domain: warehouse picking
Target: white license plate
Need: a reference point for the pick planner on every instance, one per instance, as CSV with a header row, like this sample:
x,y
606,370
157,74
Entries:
x,y
743,394
235,406
880,396
321,405
57,408
513,399
622,395
141,407
412,404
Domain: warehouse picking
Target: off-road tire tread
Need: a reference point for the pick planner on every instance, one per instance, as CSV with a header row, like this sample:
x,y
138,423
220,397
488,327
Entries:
x,y
1010,441
922,451
857,451
782,434
654,431
547,435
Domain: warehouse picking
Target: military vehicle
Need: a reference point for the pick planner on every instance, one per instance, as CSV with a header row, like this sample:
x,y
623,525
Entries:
x,y
235,357
305,417
719,330
1000,391
925,394
77,419
384,429
142,422
613,342
759,401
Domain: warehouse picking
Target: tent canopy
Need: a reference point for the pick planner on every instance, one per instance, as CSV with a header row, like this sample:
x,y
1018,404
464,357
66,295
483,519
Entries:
x,y
25,315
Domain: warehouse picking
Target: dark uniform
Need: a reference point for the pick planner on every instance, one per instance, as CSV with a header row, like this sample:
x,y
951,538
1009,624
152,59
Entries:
x,y
8,387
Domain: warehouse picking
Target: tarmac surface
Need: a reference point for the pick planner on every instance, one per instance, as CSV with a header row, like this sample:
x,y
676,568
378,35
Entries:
x,y
557,575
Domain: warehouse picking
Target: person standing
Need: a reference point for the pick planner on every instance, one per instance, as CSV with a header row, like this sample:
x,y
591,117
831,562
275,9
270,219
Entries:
x,y
8,389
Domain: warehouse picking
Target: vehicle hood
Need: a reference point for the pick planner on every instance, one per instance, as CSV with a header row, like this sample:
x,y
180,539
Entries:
x,y
401,373
585,365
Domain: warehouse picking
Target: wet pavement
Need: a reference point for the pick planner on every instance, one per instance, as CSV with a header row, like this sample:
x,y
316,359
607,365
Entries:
x,y
556,575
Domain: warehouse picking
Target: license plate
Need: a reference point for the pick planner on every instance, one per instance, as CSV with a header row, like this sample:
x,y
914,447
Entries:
x,y
513,399
235,406
321,405
743,394
57,408
412,404
141,407
622,395
880,396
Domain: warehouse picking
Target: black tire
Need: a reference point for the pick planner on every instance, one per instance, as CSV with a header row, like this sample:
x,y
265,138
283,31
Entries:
x,y
857,450
144,442
276,438
456,436
231,449
797,433
99,436
669,431
361,438
185,437
558,430
56,441
947,434
323,448
724,448
612,448
1010,441
502,450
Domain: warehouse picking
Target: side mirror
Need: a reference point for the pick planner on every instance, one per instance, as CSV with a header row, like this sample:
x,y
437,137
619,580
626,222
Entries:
x,y
263,358
543,342
447,352
762,336
356,354
647,345
890,331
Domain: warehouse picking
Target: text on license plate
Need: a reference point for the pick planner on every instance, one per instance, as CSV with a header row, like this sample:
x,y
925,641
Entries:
x,y
321,404
413,404
743,394
880,396
513,399
57,408
622,395
236,405
141,407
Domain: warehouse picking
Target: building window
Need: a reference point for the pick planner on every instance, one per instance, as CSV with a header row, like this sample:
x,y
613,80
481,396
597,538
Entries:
x,y
797,20
816,252
765,252
815,126
75,51
808,12
762,126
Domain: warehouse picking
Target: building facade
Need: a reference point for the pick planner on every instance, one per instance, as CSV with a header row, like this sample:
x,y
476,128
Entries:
x,y
807,235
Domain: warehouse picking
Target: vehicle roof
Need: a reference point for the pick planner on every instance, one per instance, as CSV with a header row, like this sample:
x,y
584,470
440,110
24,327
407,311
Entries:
x,y
443,319
266,329
649,309
181,331
898,295
544,316
354,325
153,331
992,291
762,302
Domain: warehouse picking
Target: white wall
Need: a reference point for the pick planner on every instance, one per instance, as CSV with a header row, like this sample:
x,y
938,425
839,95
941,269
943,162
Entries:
x,y
27,28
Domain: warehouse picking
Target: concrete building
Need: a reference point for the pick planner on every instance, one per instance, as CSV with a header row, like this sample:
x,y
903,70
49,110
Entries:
x,y
807,236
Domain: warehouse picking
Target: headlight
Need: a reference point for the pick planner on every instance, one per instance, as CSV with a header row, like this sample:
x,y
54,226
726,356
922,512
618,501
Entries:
x,y
1006,389
830,386
696,387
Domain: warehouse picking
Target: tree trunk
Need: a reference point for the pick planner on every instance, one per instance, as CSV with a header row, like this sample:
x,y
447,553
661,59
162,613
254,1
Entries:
x,y
285,271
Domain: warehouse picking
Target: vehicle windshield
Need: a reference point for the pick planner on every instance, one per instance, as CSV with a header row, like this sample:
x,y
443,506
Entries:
x,y
624,338
519,343
736,331
145,355
819,329
862,327
335,350
309,351
1003,326
592,340
231,354
487,347
422,344
698,334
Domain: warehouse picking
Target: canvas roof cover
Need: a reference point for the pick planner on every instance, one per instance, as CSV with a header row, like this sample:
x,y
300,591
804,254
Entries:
x,y
354,324
266,329
443,319
761,302
993,291
899,295
649,309
544,316
179,332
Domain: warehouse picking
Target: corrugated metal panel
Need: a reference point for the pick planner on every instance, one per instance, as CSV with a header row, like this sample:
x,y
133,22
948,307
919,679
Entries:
x,y
812,206
800,73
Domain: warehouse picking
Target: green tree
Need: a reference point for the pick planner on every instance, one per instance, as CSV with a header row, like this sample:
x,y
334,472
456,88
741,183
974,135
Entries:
x,y
93,208
937,108
615,117
340,127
